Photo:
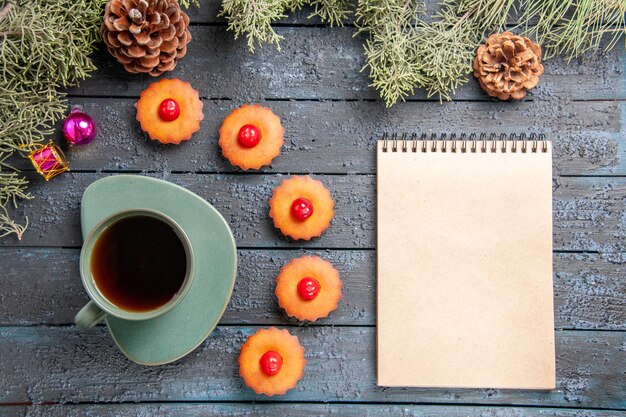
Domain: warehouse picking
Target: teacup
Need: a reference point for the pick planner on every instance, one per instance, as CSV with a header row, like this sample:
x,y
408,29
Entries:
x,y
135,265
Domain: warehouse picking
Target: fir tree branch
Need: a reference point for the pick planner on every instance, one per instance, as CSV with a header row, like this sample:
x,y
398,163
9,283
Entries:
x,y
8,226
444,49
333,12
12,188
293,5
253,19
390,50
403,53
44,46
447,45
572,28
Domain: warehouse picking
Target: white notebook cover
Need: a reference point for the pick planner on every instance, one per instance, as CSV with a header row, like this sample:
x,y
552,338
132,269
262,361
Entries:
x,y
465,268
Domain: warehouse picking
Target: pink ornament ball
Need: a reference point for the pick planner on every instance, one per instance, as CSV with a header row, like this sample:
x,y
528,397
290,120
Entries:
x,y
79,128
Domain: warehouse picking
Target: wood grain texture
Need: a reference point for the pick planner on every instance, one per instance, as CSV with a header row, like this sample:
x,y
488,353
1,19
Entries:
x,y
588,212
42,286
291,410
339,137
326,63
65,365
332,118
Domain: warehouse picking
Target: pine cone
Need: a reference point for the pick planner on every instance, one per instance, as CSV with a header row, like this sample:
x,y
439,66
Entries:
x,y
508,65
146,35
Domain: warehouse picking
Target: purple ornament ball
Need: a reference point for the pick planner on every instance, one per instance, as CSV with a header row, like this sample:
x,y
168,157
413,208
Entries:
x,y
79,128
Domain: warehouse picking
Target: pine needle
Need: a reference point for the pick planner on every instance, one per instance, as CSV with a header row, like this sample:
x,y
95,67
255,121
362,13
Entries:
x,y
187,3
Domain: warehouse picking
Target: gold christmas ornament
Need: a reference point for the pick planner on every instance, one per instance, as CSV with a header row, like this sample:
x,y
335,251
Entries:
x,y
507,66
146,36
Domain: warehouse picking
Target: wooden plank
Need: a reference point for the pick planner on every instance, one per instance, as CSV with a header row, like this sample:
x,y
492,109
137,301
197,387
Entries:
x,y
593,284
584,210
292,410
19,411
339,137
326,63
65,365
42,286
588,212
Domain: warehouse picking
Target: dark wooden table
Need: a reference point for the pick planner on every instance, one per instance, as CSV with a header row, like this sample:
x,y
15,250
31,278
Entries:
x,y
332,121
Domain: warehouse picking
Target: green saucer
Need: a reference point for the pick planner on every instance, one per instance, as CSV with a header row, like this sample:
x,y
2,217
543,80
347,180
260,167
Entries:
x,y
173,335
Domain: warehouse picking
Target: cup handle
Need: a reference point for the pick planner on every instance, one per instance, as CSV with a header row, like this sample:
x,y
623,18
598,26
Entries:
x,y
89,316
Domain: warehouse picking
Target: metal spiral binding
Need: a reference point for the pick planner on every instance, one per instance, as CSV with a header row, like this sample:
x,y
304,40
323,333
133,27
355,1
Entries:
x,y
469,143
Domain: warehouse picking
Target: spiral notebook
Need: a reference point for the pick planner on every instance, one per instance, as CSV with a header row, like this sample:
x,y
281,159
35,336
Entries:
x,y
465,262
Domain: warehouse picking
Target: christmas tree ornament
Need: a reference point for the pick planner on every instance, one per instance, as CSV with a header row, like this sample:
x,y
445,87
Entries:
x,y
251,136
507,66
79,128
48,160
146,36
170,111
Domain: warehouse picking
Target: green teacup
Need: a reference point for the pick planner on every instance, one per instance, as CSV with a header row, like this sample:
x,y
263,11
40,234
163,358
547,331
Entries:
x,y
136,265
